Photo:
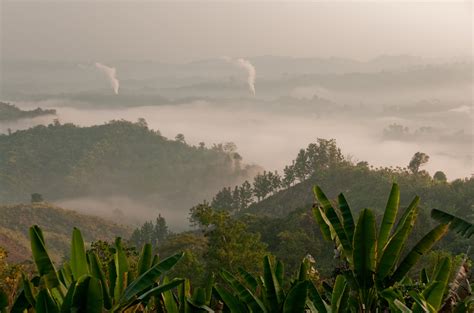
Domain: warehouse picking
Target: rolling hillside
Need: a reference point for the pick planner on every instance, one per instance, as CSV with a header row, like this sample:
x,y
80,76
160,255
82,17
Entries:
x,y
57,224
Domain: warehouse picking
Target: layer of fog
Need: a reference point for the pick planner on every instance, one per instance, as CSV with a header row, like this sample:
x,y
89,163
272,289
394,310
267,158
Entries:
x,y
272,136
271,133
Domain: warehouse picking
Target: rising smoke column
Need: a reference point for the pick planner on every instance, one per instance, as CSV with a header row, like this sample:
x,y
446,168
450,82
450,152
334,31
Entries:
x,y
111,73
246,65
251,72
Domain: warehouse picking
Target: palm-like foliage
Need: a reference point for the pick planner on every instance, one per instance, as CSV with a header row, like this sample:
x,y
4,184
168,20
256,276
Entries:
x,y
458,225
265,293
82,286
373,257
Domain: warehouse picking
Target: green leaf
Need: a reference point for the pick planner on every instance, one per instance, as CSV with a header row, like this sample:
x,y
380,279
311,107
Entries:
x,y
3,301
273,291
296,299
391,253
88,296
435,291
21,303
96,271
147,279
347,219
78,261
413,205
156,291
456,224
249,279
402,307
121,267
232,302
323,226
244,294
364,249
338,293
423,246
168,299
45,303
316,299
28,290
389,218
42,260
144,263
333,219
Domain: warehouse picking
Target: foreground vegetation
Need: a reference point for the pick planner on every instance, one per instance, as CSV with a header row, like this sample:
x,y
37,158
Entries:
x,y
378,272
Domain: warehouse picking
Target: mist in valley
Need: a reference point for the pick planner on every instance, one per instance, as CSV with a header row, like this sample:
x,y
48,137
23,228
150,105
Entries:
x,y
382,101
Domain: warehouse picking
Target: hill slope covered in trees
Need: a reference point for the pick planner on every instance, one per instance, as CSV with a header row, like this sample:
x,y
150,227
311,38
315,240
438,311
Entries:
x,y
117,158
56,223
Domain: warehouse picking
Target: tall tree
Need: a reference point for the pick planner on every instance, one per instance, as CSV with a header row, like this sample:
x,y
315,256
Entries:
x,y
302,166
418,160
246,195
288,176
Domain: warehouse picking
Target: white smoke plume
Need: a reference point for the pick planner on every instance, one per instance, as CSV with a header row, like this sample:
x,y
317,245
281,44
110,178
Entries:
x,y
111,73
251,72
246,65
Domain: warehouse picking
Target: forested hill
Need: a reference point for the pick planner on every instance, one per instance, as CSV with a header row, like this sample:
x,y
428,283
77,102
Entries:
x,y
323,163
9,112
118,158
57,224
365,187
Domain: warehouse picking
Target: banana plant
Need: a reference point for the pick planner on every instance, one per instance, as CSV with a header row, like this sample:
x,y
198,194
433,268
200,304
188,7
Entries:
x,y
81,285
429,299
264,293
373,255
458,225
186,301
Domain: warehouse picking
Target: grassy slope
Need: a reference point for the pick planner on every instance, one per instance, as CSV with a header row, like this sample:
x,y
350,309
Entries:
x,y
57,225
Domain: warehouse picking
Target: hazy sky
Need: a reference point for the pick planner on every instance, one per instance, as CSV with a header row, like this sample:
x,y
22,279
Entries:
x,y
184,31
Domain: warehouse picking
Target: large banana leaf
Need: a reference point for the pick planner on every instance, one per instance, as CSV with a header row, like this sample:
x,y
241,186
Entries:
x,y
148,278
393,249
435,291
295,301
347,219
316,299
389,218
251,281
423,246
333,219
42,260
96,271
273,290
121,267
165,286
88,296
45,303
460,226
246,296
364,249
413,205
78,261
231,301
339,293
144,262
323,226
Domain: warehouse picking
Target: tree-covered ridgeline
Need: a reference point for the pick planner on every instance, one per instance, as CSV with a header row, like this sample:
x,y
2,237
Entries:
x,y
9,112
117,158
